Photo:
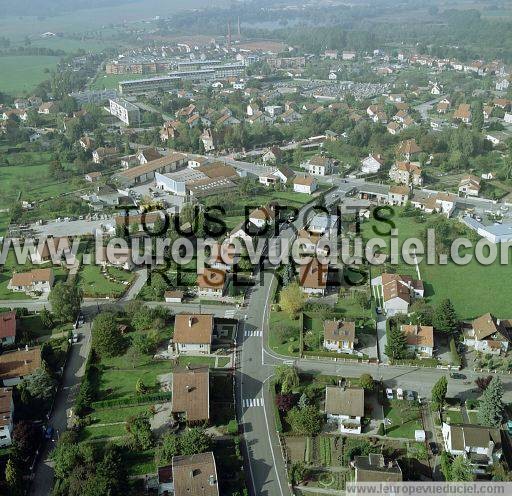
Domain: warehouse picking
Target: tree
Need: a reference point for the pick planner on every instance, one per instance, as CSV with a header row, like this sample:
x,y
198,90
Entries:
x,y
139,429
287,377
307,421
396,347
140,387
195,440
446,465
461,470
292,299
169,448
491,408
13,476
423,312
483,382
46,318
39,386
366,381
477,115
107,339
445,319
362,300
158,285
285,402
25,438
303,401
439,393
66,298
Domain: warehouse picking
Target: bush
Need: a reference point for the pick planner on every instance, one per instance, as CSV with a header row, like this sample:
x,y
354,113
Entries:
x,y
380,431
233,427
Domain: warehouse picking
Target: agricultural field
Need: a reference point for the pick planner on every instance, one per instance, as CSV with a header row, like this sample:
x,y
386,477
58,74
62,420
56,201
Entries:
x,y
28,175
19,75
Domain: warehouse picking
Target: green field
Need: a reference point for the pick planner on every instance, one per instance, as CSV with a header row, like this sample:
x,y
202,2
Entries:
x,y
28,174
21,74
474,289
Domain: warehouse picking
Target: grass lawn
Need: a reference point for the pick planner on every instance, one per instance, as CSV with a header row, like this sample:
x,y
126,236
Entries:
x,y
282,321
196,360
473,417
92,432
489,284
20,74
95,284
117,414
453,416
32,323
405,418
28,174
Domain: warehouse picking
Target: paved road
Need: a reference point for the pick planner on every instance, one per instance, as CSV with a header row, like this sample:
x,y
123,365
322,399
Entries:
x,y
75,368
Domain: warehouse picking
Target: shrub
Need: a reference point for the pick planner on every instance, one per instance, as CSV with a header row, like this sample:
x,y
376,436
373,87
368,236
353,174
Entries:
x,y
233,427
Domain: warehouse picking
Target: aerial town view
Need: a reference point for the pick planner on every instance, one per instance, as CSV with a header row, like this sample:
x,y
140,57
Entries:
x,y
255,247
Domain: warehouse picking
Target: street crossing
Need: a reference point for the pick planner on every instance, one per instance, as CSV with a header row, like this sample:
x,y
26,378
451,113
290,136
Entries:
x,y
252,402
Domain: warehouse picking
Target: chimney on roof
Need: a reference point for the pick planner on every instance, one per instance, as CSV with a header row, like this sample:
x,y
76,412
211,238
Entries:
x,y
26,347
190,321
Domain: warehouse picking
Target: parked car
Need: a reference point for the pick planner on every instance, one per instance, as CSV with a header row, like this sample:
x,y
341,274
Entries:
x,y
456,375
409,395
48,434
433,448
378,310
400,393
389,394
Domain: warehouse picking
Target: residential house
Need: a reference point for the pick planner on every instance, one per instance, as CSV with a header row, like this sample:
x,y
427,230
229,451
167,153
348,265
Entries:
x,y
393,128
463,113
34,282
252,109
17,365
197,161
408,149
481,446
195,475
443,107
148,155
489,335
420,339
372,468
47,108
319,165
49,249
191,395
262,216
6,417
398,292
193,334
313,277
93,177
272,155
372,164
345,406
398,195
290,117
305,184
407,173
174,296
8,328
239,232
119,257
87,143
169,131
469,185
103,154
211,283
227,120
340,336
209,140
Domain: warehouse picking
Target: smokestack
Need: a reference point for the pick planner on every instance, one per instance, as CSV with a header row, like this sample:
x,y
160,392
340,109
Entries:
x,y
239,30
229,34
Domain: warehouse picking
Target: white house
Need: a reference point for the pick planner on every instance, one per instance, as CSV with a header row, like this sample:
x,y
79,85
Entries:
x,y
6,414
487,334
481,446
174,296
305,184
469,185
34,282
345,407
262,216
211,283
398,292
340,336
371,164
319,165
193,334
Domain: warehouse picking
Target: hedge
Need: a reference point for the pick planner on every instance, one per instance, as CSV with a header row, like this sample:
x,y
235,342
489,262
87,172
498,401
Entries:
x,y
277,415
455,353
333,354
134,400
